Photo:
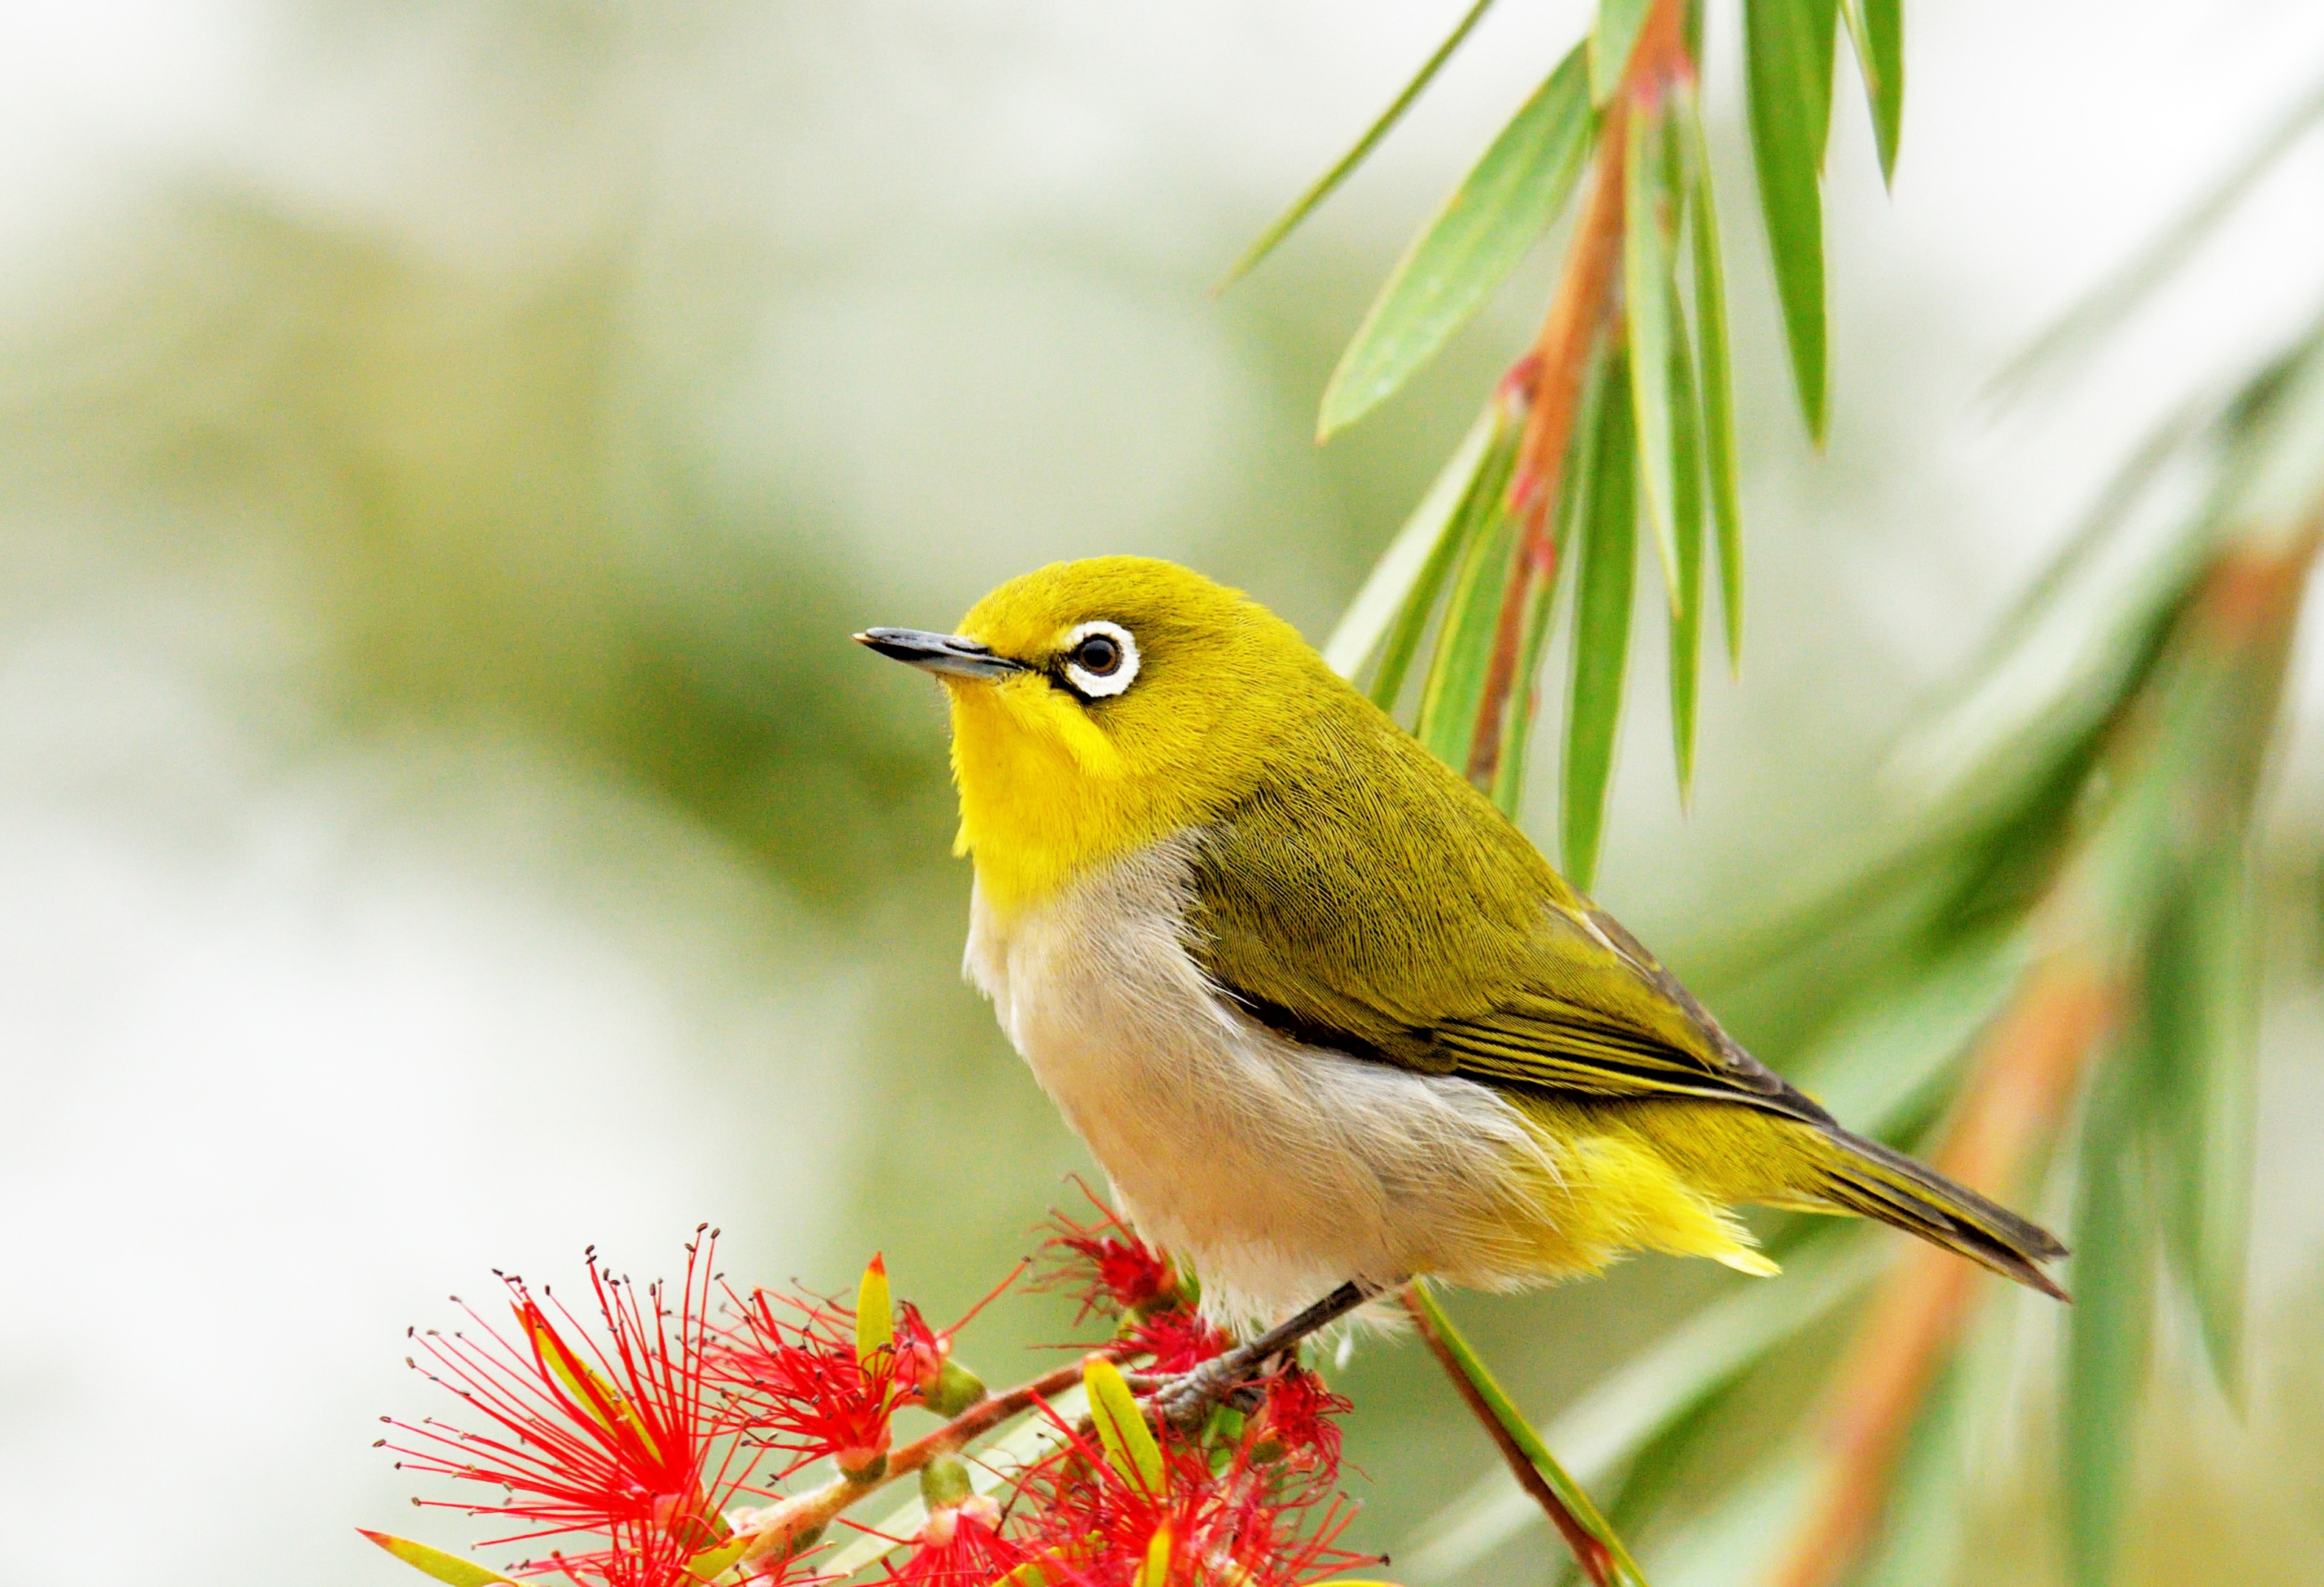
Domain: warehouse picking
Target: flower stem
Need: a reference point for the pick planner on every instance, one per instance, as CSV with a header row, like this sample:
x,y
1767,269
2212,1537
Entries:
x,y
1599,1553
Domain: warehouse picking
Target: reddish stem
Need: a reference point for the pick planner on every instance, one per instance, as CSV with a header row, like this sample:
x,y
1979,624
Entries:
x,y
1586,303
1596,1562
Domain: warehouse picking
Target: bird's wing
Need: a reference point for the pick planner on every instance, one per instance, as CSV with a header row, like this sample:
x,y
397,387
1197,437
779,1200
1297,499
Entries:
x,y
1392,912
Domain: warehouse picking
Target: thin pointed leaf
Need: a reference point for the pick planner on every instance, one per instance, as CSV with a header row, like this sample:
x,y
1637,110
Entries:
x,y
1478,513
1570,1493
1655,1390
1450,699
2109,1332
1788,45
1323,186
1601,639
1922,1527
875,1311
1541,601
2199,1047
594,1398
1122,1427
1686,515
1876,28
1612,42
1649,249
1412,570
1500,208
1517,724
447,1568
1715,386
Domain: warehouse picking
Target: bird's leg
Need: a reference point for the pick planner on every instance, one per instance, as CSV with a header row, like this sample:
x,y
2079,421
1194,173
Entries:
x,y
1186,1399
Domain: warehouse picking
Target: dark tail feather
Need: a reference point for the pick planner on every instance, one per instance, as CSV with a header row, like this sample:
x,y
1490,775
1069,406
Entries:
x,y
1871,1180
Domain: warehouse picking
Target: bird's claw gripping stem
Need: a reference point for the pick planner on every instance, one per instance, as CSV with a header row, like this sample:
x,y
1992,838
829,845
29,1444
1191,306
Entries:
x,y
1186,1399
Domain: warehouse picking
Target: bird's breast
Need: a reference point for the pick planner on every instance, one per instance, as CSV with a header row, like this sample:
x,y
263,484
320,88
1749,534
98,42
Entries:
x,y
1281,1169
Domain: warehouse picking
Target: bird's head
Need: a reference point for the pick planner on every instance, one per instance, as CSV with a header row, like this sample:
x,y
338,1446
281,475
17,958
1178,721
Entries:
x,y
1100,704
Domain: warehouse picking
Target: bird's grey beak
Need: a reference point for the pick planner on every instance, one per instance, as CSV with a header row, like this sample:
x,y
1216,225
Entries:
x,y
938,652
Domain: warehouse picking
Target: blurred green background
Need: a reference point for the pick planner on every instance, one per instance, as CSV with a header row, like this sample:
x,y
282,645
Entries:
x,y
443,450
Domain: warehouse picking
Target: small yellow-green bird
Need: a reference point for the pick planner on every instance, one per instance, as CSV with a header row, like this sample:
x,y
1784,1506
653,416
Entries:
x,y
1326,1017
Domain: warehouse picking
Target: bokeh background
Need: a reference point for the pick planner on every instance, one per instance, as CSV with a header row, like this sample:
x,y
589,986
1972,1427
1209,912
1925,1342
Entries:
x,y
443,449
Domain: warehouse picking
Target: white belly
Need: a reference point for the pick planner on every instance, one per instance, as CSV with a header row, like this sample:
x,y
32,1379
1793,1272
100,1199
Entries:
x,y
1281,1170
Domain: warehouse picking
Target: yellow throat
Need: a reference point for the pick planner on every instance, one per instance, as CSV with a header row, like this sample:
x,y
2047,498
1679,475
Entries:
x,y
1053,781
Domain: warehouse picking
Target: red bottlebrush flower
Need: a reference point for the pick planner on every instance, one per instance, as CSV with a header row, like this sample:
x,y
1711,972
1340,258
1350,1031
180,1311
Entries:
x,y
800,1379
1109,1267
651,1559
1248,1522
620,1437
791,1368
961,1545
1300,1418
1177,1339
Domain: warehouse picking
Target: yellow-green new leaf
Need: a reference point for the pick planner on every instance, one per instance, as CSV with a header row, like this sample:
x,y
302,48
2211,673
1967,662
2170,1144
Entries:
x,y
1788,46
596,1399
1323,186
1501,206
447,1568
714,1563
1130,1446
875,1311
1156,1571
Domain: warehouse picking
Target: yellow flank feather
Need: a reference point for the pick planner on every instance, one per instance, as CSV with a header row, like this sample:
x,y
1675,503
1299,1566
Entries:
x,y
1321,1010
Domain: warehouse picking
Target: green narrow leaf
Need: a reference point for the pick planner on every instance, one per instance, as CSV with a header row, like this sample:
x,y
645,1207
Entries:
x,y
1516,723
1788,46
1479,511
1649,247
1500,208
2108,1331
1612,42
1450,699
1923,1527
1601,639
1686,516
1122,1427
1402,578
875,1311
1876,29
1656,1390
448,1568
1541,601
1716,389
1570,1493
1321,187
2199,1030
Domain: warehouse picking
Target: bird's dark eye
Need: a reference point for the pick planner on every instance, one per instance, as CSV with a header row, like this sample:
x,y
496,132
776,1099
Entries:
x,y
1098,656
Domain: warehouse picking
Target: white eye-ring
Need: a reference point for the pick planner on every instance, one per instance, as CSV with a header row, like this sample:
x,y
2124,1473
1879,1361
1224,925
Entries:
x,y
1100,658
